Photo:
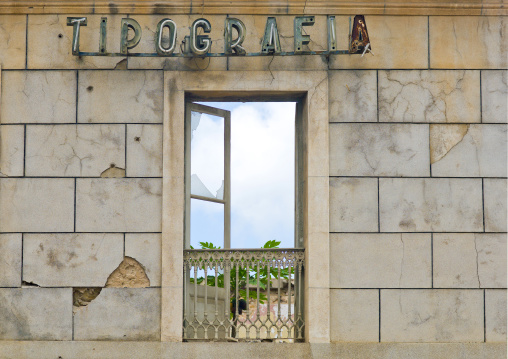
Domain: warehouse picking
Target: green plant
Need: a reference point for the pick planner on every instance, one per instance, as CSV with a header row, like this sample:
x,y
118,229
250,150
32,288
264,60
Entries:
x,y
245,274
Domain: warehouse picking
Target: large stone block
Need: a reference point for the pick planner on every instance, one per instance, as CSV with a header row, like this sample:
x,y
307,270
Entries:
x,y
495,315
144,151
12,142
50,42
380,260
468,42
469,260
148,25
430,204
120,96
352,96
495,96
398,42
354,315
74,150
146,249
494,201
36,205
71,260
120,314
12,41
36,313
353,205
468,150
379,150
118,205
429,96
426,315
10,265
38,97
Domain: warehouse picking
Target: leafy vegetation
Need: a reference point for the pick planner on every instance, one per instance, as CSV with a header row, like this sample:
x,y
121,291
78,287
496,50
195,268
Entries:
x,y
246,274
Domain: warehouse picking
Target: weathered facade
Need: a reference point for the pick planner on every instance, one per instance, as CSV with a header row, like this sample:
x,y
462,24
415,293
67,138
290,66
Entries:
x,y
403,177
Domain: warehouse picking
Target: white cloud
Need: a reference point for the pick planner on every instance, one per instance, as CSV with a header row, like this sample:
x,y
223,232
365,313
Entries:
x,y
262,171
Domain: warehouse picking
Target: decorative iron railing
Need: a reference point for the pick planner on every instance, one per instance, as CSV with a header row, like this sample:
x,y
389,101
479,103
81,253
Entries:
x,y
243,294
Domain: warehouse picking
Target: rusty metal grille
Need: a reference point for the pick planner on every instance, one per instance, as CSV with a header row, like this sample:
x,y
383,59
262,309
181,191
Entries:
x,y
243,295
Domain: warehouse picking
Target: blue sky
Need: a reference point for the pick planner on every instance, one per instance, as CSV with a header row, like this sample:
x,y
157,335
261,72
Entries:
x,y
262,175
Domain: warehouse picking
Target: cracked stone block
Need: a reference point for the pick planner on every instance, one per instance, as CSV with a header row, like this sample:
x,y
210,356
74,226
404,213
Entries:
x,y
12,141
120,96
12,41
148,25
50,42
36,313
353,205
495,198
398,42
495,315
426,315
429,96
38,97
430,205
74,150
379,150
37,204
10,264
495,96
352,96
146,249
144,150
285,24
118,205
380,260
354,315
469,260
468,42
120,314
71,260
468,150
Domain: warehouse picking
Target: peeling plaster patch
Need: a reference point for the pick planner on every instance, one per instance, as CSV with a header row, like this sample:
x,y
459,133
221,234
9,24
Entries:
x,y
82,296
443,138
129,274
113,172
121,65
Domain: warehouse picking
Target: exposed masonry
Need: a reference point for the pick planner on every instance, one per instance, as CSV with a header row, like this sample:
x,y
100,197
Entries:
x,y
129,274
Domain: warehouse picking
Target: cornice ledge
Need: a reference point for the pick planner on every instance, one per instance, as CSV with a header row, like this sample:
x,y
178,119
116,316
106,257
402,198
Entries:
x,y
257,7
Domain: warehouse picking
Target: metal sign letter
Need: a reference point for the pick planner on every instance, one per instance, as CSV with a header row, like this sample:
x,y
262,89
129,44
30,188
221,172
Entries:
x,y
235,45
161,50
200,44
126,44
332,34
103,35
76,22
271,42
300,40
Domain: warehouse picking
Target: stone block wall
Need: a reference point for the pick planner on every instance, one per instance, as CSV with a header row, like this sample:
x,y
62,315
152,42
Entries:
x,y
80,204
417,178
418,189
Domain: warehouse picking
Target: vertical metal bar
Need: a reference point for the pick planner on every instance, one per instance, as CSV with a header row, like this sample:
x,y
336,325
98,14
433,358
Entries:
x,y
236,302
268,320
195,299
300,297
247,299
227,284
289,298
185,304
216,267
205,319
278,300
258,295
